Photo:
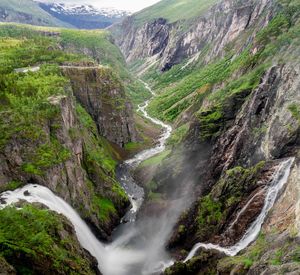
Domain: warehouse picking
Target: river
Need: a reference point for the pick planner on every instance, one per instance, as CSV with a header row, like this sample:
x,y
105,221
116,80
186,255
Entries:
x,y
138,245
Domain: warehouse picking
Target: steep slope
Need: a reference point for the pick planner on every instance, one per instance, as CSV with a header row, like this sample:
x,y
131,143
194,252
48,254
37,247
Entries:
x,y
41,242
55,142
162,42
229,84
27,12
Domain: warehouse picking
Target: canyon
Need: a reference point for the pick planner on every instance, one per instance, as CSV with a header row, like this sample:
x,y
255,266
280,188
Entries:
x,y
170,142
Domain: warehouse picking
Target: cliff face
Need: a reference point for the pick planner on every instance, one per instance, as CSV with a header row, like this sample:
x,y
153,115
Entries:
x,y
103,96
71,173
236,91
170,44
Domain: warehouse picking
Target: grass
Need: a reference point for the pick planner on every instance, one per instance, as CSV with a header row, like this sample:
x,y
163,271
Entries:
x,y
174,10
295,111
34,234
178,135
156,160
105,207
252,255
180,89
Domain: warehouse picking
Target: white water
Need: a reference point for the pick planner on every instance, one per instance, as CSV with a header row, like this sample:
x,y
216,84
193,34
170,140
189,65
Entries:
x,y
121,256
245,208
43,195
279,180
124,257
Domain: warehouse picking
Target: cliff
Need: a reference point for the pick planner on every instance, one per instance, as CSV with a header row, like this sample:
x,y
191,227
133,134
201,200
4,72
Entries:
x,y
55,141
165,44
229,85
103,96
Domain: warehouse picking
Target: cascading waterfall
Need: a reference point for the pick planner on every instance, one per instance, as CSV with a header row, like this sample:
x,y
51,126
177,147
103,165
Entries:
x,y
279,180
119,256
125,255
37,193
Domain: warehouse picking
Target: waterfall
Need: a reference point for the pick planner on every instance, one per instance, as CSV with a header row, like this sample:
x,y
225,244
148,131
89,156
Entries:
x,y
140,246
37,193
278,181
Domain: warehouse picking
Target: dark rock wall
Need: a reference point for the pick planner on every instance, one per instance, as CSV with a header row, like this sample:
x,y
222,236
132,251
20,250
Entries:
x,y
103,96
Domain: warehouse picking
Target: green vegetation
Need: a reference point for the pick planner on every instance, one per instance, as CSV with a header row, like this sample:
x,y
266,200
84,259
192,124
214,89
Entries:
x,y
98,152
276,259
227,192
210,211
296,255
178,134
12,185
209,215
30,238
295,111
105,207
31,102
252,255
238,75
156,160
100,163
45,156
174,10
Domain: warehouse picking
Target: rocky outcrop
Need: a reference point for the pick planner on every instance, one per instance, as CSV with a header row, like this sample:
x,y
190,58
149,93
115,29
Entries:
x,y
263,132
167,44
261,129
6,268
62,168
103,96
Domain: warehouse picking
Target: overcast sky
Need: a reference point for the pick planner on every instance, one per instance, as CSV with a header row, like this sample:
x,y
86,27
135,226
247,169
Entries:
x,y
129,5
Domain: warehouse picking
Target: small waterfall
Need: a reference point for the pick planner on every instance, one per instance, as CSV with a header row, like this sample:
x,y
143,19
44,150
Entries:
x,y
279,180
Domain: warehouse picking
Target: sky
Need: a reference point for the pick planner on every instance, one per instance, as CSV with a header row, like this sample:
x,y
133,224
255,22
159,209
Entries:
x,y
129,5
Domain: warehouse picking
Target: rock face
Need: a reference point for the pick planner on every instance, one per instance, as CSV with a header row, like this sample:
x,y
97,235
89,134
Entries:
x,y
103,97
242,161
167,44
70,179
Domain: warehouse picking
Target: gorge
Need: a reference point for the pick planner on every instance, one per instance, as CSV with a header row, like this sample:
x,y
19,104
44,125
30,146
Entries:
x,y
165,144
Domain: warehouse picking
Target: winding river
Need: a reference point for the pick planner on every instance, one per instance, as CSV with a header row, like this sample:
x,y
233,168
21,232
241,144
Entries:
x,y
138,243
132,251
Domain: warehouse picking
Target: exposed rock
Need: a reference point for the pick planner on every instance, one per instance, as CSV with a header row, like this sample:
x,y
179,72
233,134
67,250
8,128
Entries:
x,y
5,268
69,179
103,96
222,24
260,130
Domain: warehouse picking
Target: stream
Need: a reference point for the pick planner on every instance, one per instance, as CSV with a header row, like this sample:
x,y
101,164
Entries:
x,y
138,245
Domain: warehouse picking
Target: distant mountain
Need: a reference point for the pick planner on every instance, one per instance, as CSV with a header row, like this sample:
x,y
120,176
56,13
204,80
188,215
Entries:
x,y
58,15
84,16
28,12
